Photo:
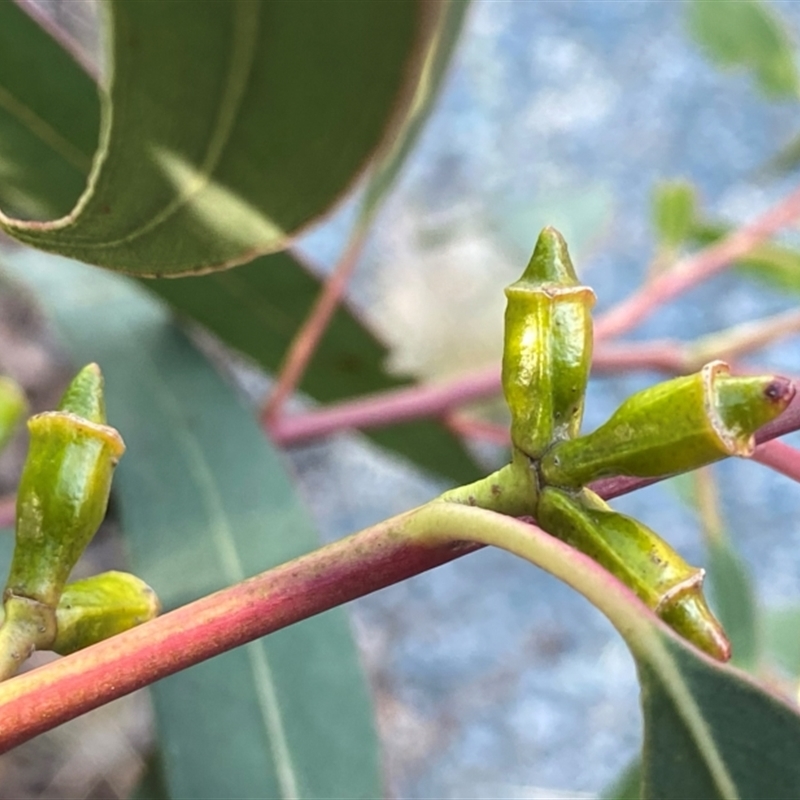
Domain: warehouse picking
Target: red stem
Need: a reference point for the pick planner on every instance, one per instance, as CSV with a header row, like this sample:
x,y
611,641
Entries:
x,y
414,402
39,700
696,268
781,457
8,511
308,337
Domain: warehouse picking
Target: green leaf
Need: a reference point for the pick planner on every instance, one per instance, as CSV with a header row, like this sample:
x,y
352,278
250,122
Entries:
x,y
437,60
734,601
782,635
712,733
674,208
257,309
49,120
205,501
231,124
628,786
748,34
773,264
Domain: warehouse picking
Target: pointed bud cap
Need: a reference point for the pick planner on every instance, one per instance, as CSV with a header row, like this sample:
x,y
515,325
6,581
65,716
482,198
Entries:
x,y
549,264
84,396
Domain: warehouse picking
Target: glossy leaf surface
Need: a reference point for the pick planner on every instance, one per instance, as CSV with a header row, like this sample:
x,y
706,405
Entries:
x,y
49,120
231,124
205,501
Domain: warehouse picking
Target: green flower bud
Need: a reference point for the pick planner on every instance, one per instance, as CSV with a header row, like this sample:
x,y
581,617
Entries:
x,y
639,558
100,607
674,426
63,492
12,408
548,347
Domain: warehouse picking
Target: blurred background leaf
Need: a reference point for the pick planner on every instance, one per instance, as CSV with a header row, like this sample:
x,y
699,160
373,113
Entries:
x,y
205,502
748,34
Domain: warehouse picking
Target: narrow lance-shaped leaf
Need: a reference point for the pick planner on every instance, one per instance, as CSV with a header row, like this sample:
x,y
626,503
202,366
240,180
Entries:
x,y
230,124
204,502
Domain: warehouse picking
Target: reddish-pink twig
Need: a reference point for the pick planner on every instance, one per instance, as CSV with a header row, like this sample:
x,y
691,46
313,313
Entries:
x,y
433,400
8,511
385,408
481,430
781,457
307,338
696,268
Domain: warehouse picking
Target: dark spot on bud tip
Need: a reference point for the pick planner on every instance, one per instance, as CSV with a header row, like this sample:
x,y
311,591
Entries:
x,y
472,500
496,490
780,390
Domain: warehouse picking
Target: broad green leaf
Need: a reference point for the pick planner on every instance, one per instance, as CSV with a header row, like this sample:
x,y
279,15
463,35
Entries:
x,y
437,59
205,501
710,732
774,264
628,785
734,601
49,120
748,34
782,635
674,208
230,124
257,309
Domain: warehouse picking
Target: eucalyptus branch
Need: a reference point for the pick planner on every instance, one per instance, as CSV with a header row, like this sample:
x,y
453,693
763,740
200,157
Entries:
x,y
389,552
694,269
305,342
781,457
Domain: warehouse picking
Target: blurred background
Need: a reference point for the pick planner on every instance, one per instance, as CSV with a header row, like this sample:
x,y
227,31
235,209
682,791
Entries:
x,y
491,679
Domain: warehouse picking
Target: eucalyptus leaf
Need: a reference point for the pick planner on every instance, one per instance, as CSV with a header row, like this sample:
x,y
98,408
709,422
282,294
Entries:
x,y
49,120
748,34
204,502
674,211
231,124
782,635
734,601
710,732
628,785
437,59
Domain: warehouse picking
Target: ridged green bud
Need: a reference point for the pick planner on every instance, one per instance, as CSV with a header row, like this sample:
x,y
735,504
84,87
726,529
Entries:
x,y
548,348
64,488
13,406
640,559
99,607
678,425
